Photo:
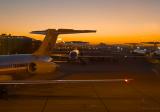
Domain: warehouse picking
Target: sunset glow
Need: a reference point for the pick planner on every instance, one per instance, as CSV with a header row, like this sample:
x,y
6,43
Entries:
x,y
116,21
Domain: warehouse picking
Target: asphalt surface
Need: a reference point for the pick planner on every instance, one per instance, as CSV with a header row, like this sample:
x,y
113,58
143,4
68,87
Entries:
x,y
140,95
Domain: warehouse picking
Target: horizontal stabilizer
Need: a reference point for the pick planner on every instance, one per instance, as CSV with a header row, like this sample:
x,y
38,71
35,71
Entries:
x,y
63,31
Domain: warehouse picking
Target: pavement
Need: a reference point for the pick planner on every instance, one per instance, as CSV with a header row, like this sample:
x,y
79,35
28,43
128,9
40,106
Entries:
x,y
140,95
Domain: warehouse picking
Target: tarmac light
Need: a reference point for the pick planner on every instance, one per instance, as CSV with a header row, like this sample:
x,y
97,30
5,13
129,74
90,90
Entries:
x,y
126,80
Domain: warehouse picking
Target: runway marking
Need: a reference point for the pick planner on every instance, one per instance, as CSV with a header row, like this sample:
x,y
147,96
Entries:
x,y
156,72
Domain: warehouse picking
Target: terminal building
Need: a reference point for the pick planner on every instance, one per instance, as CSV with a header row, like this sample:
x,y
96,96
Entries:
x,y
76,43
72,45
17,44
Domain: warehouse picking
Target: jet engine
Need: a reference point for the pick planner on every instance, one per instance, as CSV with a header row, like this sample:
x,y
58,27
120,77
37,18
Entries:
x,y
41,67
73,55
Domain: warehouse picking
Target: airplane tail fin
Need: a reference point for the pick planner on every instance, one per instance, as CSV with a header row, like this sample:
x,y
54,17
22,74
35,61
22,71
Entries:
x,y
51,38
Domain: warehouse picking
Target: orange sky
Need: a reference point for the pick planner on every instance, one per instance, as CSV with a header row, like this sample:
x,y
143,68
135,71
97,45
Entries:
x,y
116,21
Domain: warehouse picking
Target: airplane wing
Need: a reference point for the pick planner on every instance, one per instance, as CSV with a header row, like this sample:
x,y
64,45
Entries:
x,y
41,82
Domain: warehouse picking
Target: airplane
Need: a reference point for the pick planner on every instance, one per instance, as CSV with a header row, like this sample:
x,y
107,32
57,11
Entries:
x,y
140,51
137,49
39,62
155,51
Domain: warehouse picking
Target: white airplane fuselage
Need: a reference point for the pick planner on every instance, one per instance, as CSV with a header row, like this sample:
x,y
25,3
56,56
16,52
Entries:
x,y
140,51
26,63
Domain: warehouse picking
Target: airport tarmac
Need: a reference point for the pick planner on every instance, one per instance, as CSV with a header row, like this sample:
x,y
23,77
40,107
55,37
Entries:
x,y
140,95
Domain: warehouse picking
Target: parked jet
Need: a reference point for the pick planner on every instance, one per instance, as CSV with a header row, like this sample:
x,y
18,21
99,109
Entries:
x,y
155,51
136,49
140,51
40,61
